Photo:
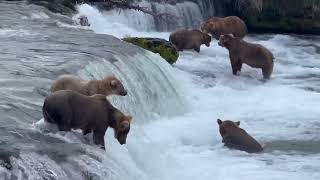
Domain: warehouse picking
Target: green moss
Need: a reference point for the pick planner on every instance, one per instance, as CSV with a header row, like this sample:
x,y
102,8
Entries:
x,y
167,53
160,46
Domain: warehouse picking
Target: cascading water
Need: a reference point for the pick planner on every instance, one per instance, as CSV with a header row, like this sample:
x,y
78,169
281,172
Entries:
x,y
185,14
165,142
38,46
154,96
189,146
182,14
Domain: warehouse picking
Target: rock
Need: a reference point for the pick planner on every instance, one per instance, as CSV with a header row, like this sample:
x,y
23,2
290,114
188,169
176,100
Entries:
x,y
165,48
81,20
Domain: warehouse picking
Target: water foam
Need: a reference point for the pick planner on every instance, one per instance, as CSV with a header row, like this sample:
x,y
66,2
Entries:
x,y
189,146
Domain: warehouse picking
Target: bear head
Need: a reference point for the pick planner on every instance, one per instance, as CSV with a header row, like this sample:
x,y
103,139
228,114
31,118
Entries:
x,y
206,39
112,85
122,129
224,125
205,27
225,40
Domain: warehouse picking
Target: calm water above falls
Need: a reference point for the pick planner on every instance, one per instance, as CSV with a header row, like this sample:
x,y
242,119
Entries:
x,y
175,135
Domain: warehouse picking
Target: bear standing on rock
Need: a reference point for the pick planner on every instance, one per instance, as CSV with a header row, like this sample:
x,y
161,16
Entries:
x,y
221,26
189,39
254,55
71,110
107,86
237,138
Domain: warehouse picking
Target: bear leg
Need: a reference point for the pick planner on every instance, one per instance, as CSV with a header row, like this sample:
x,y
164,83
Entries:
x,y
98,138
236,66
179,47
86,131
266,73
63,127
197,48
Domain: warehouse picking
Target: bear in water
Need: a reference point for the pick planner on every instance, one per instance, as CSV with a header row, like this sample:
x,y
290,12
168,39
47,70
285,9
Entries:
x,y
254,55
71,110
189,39
107,86
217,26
236,138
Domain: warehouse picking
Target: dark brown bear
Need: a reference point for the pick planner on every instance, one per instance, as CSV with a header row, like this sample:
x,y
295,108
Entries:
x,y
71,110
237,138
221,26
189,39
254,55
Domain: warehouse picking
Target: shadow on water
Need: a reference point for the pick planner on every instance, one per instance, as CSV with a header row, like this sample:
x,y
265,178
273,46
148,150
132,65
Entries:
x,y
293,146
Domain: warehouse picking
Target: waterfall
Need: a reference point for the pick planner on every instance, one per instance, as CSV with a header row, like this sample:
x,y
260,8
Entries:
x,y
150,84
182,14
185,14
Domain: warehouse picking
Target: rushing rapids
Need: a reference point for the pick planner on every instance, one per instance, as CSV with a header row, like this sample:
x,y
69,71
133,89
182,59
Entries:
x,y
174,133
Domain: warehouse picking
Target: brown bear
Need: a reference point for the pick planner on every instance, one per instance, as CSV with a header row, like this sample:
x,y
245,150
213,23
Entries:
x,y
107,86
217,26
254,55
236,138
72,110
189,39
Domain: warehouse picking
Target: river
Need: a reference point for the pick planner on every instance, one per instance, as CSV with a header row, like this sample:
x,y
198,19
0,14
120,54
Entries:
x,y
174,133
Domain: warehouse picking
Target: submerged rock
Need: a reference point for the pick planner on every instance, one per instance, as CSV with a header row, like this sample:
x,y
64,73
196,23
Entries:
x,y
156,45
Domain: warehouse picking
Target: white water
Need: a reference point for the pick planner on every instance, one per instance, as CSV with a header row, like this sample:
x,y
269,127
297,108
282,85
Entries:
x,y
186,14
189,146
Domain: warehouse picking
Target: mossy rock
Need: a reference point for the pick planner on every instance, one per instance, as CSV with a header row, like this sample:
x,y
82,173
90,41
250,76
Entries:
x,y
166,49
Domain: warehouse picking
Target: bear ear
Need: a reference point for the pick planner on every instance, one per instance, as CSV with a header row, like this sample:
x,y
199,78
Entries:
x,y
219,121
113,83
129,118
231,35
237,123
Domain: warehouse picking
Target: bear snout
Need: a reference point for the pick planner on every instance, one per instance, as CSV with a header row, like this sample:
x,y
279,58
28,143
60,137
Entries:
x,y
123,93
122,141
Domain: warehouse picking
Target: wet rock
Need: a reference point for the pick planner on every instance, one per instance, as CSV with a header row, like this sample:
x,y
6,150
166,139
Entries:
x,y
81,20
165,48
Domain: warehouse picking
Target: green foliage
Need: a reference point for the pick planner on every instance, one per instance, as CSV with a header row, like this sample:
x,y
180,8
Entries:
x,y
164,48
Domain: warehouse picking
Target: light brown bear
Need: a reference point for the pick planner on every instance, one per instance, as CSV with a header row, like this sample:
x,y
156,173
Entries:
x,y
254,55
236,138
110,85
71,110
189,39
217,26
